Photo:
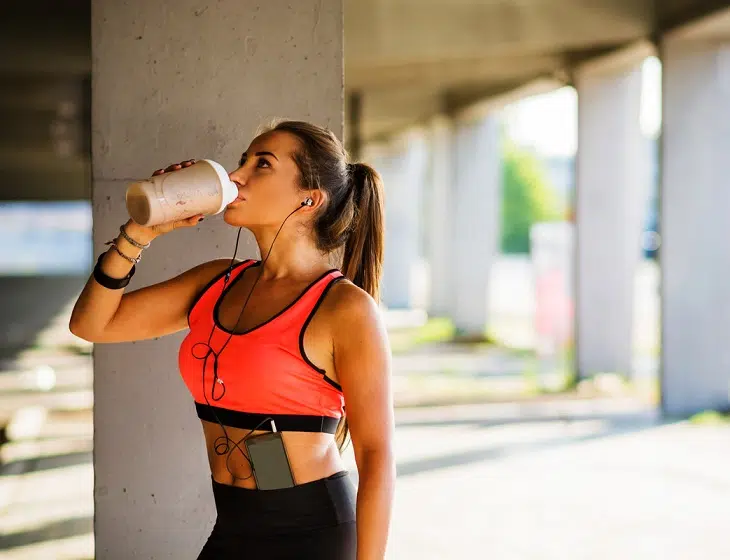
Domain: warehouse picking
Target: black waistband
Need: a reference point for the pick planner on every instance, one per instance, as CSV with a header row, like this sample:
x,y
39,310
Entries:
x,y
258,421
313,505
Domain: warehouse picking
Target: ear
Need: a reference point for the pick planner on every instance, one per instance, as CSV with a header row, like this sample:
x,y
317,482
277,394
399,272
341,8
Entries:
x,y
318,197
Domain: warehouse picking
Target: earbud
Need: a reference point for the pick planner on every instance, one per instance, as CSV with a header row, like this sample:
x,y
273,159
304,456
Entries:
x,y
307,202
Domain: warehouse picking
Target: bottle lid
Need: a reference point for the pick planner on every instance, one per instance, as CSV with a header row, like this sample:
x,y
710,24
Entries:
x,y
230,189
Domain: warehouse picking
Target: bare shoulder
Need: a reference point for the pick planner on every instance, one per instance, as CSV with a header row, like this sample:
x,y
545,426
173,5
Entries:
x,y
349,307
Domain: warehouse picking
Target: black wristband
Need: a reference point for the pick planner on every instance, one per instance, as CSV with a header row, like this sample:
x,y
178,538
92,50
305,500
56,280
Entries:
x,y
108,281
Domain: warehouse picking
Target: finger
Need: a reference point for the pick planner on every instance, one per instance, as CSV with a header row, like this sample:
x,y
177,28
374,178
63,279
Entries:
x,y
189,222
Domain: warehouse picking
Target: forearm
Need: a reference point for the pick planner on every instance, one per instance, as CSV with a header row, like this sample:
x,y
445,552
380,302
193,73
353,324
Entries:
x,y
96,305
374,502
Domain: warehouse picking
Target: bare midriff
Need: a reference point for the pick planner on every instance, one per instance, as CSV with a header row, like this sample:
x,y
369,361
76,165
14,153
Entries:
x,y
312,456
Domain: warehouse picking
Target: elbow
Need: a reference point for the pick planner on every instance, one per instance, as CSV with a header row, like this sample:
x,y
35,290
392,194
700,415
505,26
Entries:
x,y
76,327
376,457
75,330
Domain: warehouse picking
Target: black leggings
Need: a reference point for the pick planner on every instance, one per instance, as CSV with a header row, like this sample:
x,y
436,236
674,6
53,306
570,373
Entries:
x,y
312,521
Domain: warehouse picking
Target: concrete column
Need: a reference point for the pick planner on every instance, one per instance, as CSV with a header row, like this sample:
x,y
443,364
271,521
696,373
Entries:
x,y
176,80
695,204
476,220
403,170
438,209
612,188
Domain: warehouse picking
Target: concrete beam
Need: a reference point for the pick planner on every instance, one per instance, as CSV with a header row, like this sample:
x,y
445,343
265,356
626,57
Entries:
x,y
448,74
710,28
677,14
409,31
619,60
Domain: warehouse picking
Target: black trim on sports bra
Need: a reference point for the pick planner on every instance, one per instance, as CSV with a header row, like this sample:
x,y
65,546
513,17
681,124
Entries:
x,y
319,370
257,421
276,316
210,284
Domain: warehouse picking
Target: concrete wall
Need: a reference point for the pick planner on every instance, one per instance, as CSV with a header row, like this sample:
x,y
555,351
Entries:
x,y
171,81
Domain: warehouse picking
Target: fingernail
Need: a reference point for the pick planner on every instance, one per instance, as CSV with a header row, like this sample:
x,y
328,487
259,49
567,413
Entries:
x,y
200,219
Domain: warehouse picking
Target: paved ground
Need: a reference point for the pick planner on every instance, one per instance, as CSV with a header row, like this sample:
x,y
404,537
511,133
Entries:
x,y
565,479
572,481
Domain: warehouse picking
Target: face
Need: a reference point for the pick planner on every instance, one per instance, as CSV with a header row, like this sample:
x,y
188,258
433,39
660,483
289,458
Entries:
x,y
268,183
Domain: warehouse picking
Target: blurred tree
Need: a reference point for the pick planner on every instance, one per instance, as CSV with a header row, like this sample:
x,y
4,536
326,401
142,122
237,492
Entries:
x,y
527,198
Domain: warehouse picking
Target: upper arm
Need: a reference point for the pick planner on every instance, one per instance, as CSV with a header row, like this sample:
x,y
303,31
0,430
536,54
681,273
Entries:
x,y
160,309
363,366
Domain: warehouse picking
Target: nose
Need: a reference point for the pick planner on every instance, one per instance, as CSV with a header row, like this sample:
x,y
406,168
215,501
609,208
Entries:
x,y
238,176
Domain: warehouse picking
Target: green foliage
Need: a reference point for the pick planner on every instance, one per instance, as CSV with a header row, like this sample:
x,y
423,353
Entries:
x,y
710,417
527,198
436,329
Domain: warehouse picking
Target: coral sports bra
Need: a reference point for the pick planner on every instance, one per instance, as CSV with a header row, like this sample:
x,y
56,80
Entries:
x,y
262,374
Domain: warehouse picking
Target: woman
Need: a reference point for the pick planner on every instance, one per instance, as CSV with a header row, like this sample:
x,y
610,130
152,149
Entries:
x,y
278,349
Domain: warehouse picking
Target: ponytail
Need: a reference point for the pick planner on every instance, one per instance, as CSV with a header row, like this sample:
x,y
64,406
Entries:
x,y
363,254
362,260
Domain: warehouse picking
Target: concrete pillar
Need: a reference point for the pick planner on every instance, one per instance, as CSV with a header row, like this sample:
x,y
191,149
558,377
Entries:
x,y
695,204
612,188
476,220
404,169
176,80
438,209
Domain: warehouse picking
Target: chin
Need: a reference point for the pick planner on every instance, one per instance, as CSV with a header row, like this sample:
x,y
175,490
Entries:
x,y
233,217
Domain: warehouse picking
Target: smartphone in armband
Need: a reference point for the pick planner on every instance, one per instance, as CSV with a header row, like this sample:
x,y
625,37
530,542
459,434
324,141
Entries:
x,y
269,461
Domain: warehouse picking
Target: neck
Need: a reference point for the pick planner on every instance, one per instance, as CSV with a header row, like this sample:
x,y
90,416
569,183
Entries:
x,y
294,254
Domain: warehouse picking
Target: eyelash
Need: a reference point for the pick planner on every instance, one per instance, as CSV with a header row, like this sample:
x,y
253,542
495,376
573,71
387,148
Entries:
x,y
261,160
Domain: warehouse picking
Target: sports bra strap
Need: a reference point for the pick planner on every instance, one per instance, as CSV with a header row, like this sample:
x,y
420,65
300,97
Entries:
x,y
258,421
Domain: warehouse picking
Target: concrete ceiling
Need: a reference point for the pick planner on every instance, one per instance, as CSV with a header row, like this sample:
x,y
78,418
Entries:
x,y
409,58
405,60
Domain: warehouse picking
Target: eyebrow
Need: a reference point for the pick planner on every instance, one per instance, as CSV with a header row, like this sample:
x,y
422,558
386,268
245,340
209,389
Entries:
x,y
245,155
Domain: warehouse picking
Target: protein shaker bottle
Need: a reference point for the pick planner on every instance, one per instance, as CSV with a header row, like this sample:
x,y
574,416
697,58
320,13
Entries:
x,y
202,188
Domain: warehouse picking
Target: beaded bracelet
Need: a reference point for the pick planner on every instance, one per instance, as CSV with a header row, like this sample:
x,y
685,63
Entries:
x,y
131,241
133,260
